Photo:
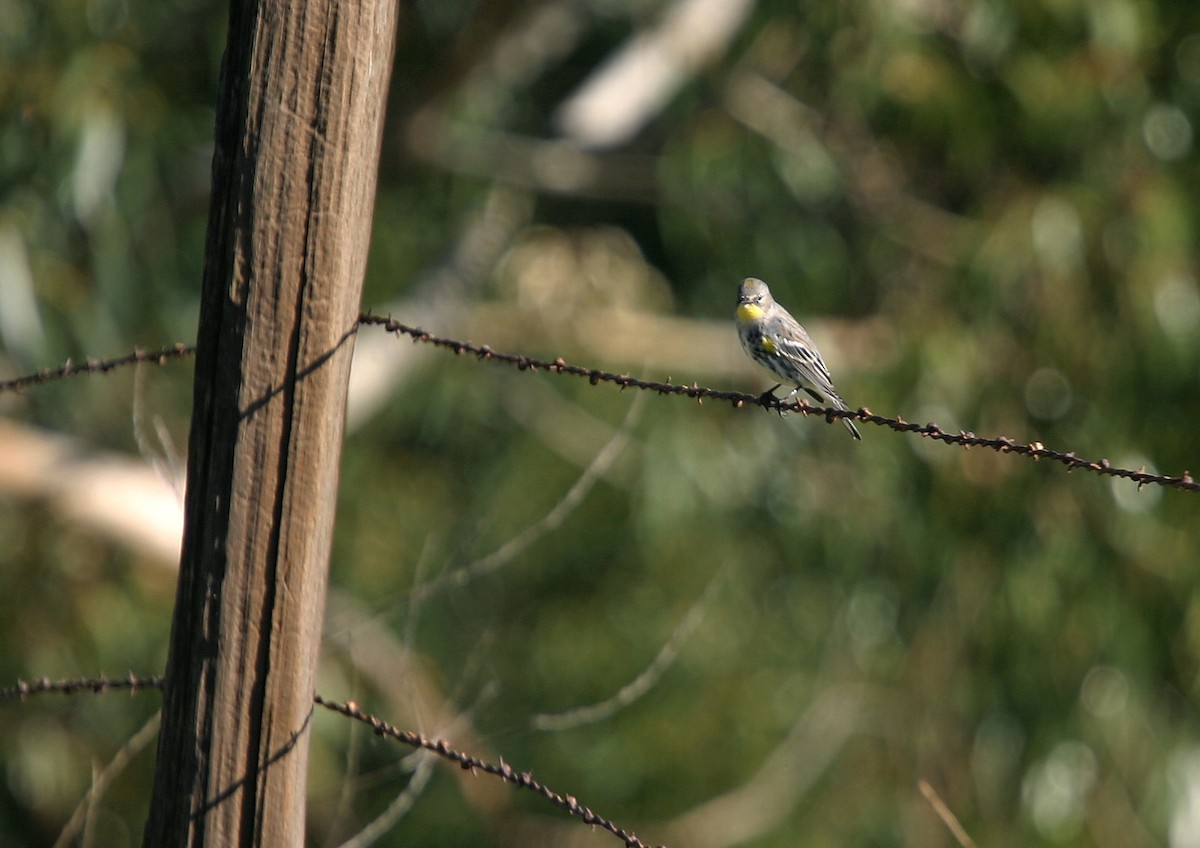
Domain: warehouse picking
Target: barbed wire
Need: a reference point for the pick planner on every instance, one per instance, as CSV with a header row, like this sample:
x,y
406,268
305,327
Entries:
x,y
966,439
963,438
504,771
43,685
97,366
351,710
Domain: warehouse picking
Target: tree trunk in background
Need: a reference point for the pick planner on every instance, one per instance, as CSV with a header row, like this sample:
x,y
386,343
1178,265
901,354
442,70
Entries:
x,y
299,122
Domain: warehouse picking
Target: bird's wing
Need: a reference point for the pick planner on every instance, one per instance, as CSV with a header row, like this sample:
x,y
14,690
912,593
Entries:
x,y
799,348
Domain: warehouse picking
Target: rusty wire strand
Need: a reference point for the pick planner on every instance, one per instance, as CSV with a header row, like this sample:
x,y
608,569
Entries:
x,y
504,771
97,366
42,685
1000,444
350,709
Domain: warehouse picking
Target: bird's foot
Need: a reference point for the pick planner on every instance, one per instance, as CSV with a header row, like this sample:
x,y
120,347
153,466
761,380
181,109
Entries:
x,y
769,400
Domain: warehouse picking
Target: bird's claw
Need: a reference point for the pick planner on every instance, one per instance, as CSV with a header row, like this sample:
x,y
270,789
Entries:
x,y
769,400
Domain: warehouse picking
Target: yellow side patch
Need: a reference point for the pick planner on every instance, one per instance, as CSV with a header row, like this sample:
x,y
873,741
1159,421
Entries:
x,y
768,345
749,312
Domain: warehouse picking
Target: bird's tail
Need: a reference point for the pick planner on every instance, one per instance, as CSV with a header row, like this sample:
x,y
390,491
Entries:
x,y
841,404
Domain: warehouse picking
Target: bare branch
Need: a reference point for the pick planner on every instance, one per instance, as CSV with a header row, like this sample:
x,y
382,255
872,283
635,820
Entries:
x,y
104,778
943,812
641,684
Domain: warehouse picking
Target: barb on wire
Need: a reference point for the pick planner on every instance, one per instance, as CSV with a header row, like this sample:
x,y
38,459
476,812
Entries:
x,y
524,779
44,685
97,366
1000,444
350,709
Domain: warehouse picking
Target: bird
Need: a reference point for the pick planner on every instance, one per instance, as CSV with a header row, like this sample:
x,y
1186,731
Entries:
x,y
776,341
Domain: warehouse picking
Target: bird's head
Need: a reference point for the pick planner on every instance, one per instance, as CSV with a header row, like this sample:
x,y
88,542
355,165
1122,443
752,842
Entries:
x,y
753,299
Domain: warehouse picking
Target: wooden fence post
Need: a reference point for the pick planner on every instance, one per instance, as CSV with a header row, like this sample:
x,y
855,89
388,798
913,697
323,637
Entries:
x,y
299,123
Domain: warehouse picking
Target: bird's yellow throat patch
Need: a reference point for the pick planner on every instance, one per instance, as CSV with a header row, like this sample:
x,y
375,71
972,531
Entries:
x,y
749,312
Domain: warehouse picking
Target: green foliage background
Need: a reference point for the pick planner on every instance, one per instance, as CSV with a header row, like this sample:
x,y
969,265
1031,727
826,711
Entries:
x,y
987,213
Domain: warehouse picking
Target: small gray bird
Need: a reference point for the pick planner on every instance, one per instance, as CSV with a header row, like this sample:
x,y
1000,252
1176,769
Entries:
x,y
777,342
